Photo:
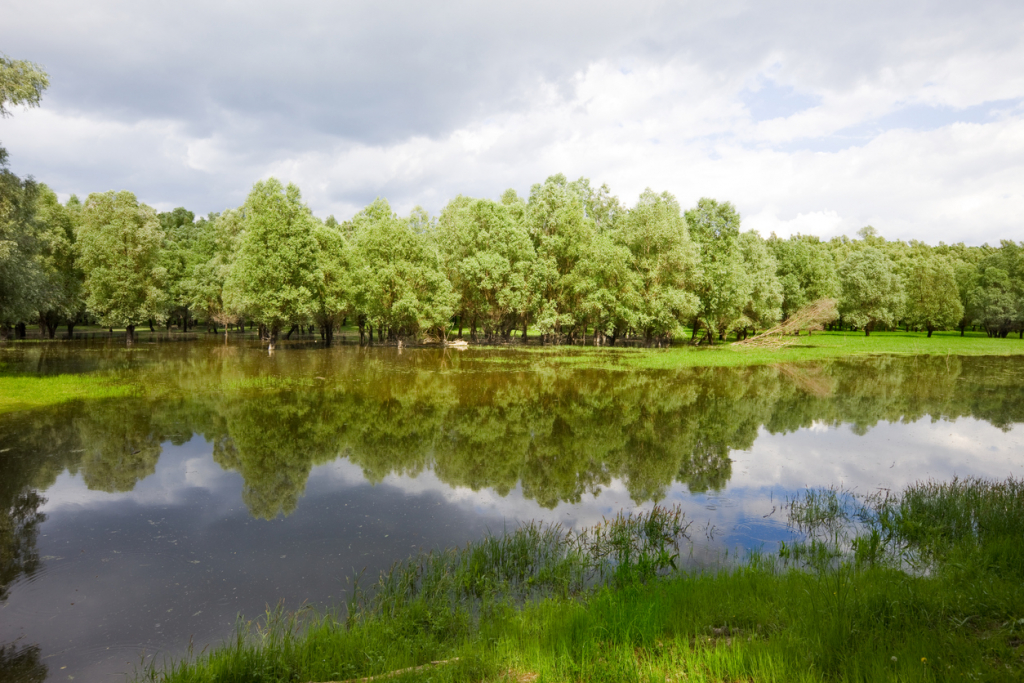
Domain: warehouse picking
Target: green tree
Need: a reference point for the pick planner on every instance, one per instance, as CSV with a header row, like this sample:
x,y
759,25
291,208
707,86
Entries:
x,y
993,301
722,285
119,243
22,278
487,256
763,307
933,300
63,301
217,240
21,82
405,289
872,290
276,272
179,257
339,292
664,260
561,233
806,270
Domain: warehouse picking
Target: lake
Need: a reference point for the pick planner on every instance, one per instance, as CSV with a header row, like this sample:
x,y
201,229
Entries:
x,y
229,481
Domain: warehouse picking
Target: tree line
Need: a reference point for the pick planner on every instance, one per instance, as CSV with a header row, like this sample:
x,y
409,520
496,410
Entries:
x,y
570,261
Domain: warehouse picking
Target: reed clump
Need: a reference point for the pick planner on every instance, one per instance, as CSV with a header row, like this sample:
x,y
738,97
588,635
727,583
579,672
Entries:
x,y
926,584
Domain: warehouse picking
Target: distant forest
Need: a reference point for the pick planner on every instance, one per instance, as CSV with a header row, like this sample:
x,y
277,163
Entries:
x,y
570,262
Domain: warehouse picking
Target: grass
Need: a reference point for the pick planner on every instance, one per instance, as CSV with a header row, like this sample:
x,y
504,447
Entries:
x,y
25,392
929,588
819,346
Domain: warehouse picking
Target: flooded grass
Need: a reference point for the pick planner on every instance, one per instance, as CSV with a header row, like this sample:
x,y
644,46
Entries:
x,y
26,392
605,604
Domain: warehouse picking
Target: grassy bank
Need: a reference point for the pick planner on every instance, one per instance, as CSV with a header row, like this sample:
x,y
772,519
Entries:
x,y
927,585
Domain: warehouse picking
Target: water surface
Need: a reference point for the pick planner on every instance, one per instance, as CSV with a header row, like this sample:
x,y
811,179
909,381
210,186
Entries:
x,y
232,480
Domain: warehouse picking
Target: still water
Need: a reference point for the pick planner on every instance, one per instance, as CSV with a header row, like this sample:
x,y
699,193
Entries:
x,y
229,481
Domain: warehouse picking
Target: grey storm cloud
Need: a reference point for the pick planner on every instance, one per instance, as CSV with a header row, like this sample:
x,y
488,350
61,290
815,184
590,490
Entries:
x,y
270,84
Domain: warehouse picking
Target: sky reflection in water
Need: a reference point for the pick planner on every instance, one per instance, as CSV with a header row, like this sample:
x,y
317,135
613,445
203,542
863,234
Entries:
x,y
162,517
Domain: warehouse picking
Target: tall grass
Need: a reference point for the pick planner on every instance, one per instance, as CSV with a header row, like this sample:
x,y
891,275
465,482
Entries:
x,y
924,585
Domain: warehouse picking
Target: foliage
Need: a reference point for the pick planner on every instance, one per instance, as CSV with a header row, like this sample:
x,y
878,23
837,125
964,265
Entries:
x,y
276,273
119,243
21,83
872,290
933,300
405,290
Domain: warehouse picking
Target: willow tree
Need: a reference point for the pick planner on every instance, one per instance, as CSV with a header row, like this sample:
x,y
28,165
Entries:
x,y
338,293
561,232
22,279
664,260
872,290
119,243
763,306
405,291
63,300
933,300
487,256
722,284
806,270
216,242
276,272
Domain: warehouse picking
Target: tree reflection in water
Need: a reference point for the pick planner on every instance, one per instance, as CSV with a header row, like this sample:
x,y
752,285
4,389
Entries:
x,y
557,432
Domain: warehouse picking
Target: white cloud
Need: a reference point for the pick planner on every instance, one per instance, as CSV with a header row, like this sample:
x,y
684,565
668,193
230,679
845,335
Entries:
x,y
905,117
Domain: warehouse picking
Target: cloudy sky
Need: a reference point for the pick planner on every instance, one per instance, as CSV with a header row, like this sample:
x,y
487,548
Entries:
x,y
815,117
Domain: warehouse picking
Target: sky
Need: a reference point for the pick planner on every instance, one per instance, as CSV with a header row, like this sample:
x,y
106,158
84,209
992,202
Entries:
x,y
812,117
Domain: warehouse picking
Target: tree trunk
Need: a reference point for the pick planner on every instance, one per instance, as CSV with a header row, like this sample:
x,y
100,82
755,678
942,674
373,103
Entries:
x,y
129,335
5,332
930,328
19,331
71,330
524,329
151,329
289,335
272,338
328,334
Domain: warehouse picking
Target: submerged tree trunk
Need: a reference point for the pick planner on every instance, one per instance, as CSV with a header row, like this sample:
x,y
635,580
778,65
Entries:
x,y
151,328
129,335
19,331
71,330
5,332
328,334
289,335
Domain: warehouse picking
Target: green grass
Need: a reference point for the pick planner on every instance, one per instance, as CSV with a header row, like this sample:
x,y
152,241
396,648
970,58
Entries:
x,y
25,392
538,604
819,346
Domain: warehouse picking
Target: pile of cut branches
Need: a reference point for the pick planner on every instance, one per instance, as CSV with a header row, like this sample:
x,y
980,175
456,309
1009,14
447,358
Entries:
x,y
813,316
